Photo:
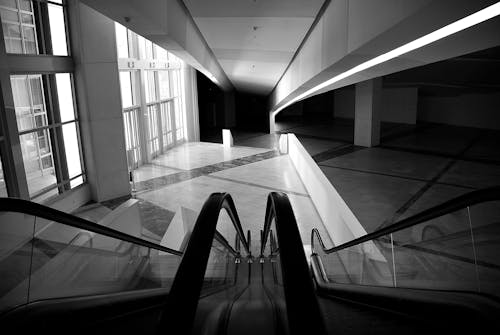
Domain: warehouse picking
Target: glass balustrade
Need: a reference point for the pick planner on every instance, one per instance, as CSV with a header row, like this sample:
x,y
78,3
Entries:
x,y
455,252
42,259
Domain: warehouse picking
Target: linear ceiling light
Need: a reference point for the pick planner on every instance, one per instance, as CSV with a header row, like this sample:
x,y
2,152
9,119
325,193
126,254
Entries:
x,y
462,24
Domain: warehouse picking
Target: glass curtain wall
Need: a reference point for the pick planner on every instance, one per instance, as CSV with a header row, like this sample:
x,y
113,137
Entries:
x,y
34,27
150,79
45,110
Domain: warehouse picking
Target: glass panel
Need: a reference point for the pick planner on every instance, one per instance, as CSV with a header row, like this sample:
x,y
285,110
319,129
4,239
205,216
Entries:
x,y
3,188
25,5
65,96
121,41
36,90
30,40
154,144
57,30
85,263
166,123
141,41
27,19
437,254
72,149
8,3
179,120
369,263
29,101
222,267
38,162
132,142
486,231
163,77
126,89
9,15
16,232
76,182
150,86
161,53
12,36
149,49
18,27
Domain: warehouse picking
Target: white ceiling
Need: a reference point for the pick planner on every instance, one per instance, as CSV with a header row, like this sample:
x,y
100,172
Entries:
x,y
254,40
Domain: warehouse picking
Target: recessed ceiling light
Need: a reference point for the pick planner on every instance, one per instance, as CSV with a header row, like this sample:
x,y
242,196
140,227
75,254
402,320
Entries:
x,y
450,29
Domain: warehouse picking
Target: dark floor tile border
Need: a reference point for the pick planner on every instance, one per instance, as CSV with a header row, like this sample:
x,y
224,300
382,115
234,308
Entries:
x,y
396,176
336,152
314,137
441,154
236,140
430,183
167,166
416,196
258,185
159,182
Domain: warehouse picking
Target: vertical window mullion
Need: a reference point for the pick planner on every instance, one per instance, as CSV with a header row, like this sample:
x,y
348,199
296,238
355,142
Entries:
x,y
42,27
56,136
68,27
77,123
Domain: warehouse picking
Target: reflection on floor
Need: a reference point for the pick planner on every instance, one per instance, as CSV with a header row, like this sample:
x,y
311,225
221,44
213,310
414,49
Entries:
x,y
414,168
183,178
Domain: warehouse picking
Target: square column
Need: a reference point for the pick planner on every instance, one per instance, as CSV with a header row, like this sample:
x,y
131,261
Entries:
x,y
99,102
368,103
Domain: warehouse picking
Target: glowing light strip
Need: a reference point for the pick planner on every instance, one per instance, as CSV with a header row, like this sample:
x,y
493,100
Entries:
x,y
462,24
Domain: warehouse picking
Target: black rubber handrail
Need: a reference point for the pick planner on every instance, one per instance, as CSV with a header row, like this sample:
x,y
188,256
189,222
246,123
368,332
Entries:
x,y
47,213
461,202
180,308
304,315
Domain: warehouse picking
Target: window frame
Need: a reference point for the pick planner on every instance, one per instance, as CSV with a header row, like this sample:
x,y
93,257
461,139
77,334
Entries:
x,y
48,66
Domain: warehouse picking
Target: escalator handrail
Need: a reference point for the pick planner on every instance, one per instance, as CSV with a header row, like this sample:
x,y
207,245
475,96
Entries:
x,y
304,315
31,208
450,206
182,302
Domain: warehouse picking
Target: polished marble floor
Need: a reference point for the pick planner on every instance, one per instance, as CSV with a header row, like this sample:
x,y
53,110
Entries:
x,y
185,176
414,168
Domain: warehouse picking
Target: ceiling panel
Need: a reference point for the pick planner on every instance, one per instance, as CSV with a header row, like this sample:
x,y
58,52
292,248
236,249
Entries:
x,y
256,55
254,33
255,8
254,40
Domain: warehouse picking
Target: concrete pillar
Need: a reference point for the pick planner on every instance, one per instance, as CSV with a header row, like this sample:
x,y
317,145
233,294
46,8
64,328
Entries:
x,y
99,102
272,123
191,100
367,113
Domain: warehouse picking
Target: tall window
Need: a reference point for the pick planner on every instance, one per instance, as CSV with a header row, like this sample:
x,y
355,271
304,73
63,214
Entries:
x,y
34,27
122,44
18,23
158,115
43,99
48,136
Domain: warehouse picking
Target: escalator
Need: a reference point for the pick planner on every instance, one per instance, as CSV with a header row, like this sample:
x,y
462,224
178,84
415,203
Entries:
x,y
435,272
